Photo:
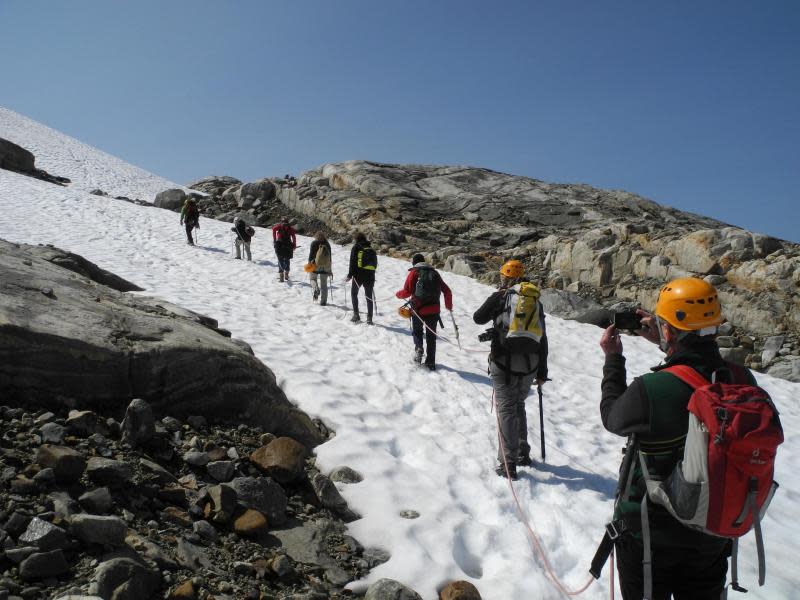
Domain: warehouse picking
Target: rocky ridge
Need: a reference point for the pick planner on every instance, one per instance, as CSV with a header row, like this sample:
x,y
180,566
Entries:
x,y
604,246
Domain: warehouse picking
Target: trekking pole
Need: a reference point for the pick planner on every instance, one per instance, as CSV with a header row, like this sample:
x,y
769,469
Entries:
x,y
541,420
455,327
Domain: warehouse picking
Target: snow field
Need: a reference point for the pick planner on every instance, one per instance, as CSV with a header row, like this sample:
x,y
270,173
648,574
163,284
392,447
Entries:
x,y
423,441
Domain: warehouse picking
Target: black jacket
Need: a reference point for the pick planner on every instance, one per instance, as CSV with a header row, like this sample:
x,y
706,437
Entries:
x,y
360,275
489,311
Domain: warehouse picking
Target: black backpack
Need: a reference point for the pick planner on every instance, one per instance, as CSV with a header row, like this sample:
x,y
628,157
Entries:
x,y
284,236
428,286
367,259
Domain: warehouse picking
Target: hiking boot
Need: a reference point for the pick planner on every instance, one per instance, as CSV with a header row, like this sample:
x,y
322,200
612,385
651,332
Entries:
x,y
355,319
316,295
280,276
430,367
525,460
369,321
418,352
323,304
512,471
286,275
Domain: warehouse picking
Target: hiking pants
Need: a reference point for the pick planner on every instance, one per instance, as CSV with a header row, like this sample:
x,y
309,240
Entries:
x,y
239,243
682,573
319,283
283,264
368,287
418,329
189,227
510,392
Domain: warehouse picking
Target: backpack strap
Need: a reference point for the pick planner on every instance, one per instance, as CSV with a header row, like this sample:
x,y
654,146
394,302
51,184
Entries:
x,y
688,375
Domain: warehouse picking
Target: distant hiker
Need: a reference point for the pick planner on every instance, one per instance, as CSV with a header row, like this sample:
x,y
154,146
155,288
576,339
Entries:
x,y
363,263
518,357
244,233
423,286
190,216
686,563
320,256
285,241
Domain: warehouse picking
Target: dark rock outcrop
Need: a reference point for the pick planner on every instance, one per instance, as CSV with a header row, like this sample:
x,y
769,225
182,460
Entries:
x,y
65,339
16,158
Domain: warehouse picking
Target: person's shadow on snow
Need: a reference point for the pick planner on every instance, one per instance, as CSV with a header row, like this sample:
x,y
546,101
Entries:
x,y
573,479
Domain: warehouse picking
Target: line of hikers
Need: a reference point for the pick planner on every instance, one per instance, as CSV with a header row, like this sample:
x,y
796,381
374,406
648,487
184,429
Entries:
x,y
698,468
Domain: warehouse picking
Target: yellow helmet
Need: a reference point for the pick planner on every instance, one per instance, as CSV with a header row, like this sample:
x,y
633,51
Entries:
x,y
689,304
309,267
512,269
404,312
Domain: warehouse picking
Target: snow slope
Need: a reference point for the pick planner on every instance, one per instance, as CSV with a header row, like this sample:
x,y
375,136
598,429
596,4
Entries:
x,y
423,441
86,167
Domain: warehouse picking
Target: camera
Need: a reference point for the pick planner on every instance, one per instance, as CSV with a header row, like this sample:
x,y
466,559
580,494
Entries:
x,y
628,320
487,335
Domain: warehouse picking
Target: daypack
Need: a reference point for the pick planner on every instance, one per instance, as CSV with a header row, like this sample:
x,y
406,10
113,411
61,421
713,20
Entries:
x,y
723,485
285,236
191,212
428,286
367,259
323,259
250,231
520,322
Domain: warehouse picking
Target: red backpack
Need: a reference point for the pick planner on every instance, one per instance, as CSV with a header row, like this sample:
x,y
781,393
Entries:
x,y
724,483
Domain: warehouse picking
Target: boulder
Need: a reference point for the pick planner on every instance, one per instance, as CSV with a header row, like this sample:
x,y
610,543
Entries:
x,y
95,529
44,535
170,199
283,459
261,494
15,158
327,493
459,590
91,344
124,579
107,471
68,464
139,424
771,347
345,474
81,422
96,501
250,523
387,589
43,565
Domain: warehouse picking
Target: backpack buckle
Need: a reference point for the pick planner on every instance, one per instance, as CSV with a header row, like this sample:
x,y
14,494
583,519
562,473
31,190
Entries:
x,y
614,529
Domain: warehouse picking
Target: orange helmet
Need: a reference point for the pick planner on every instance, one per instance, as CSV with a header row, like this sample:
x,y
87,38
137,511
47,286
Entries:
x,y
689,304
309,267
512,269
404,312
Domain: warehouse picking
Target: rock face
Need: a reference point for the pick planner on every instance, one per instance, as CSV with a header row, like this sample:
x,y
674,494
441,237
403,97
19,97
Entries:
x,y
605,246
67,337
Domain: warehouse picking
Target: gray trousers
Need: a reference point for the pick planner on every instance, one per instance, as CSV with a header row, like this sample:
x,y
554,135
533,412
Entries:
x,y
510,392
239,244
319,283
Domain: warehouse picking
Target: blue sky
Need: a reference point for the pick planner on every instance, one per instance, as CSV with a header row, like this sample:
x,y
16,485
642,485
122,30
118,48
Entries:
x,y
692,104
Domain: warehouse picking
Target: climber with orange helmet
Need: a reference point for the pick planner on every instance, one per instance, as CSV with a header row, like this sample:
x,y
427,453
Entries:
x,y
685,562
517,358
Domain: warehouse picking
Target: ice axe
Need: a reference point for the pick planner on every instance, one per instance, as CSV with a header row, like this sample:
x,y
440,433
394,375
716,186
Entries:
x,y
541,419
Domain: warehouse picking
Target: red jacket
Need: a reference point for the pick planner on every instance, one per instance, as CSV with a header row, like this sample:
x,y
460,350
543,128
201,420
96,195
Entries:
x,y
289,229
429,309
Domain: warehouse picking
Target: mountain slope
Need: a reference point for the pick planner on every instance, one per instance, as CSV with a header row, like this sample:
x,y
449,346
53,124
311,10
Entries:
x,y
423,441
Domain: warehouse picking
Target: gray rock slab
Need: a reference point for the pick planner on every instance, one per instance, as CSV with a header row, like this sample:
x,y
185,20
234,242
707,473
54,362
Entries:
x,y
97,501
96,529
43,565
108,471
